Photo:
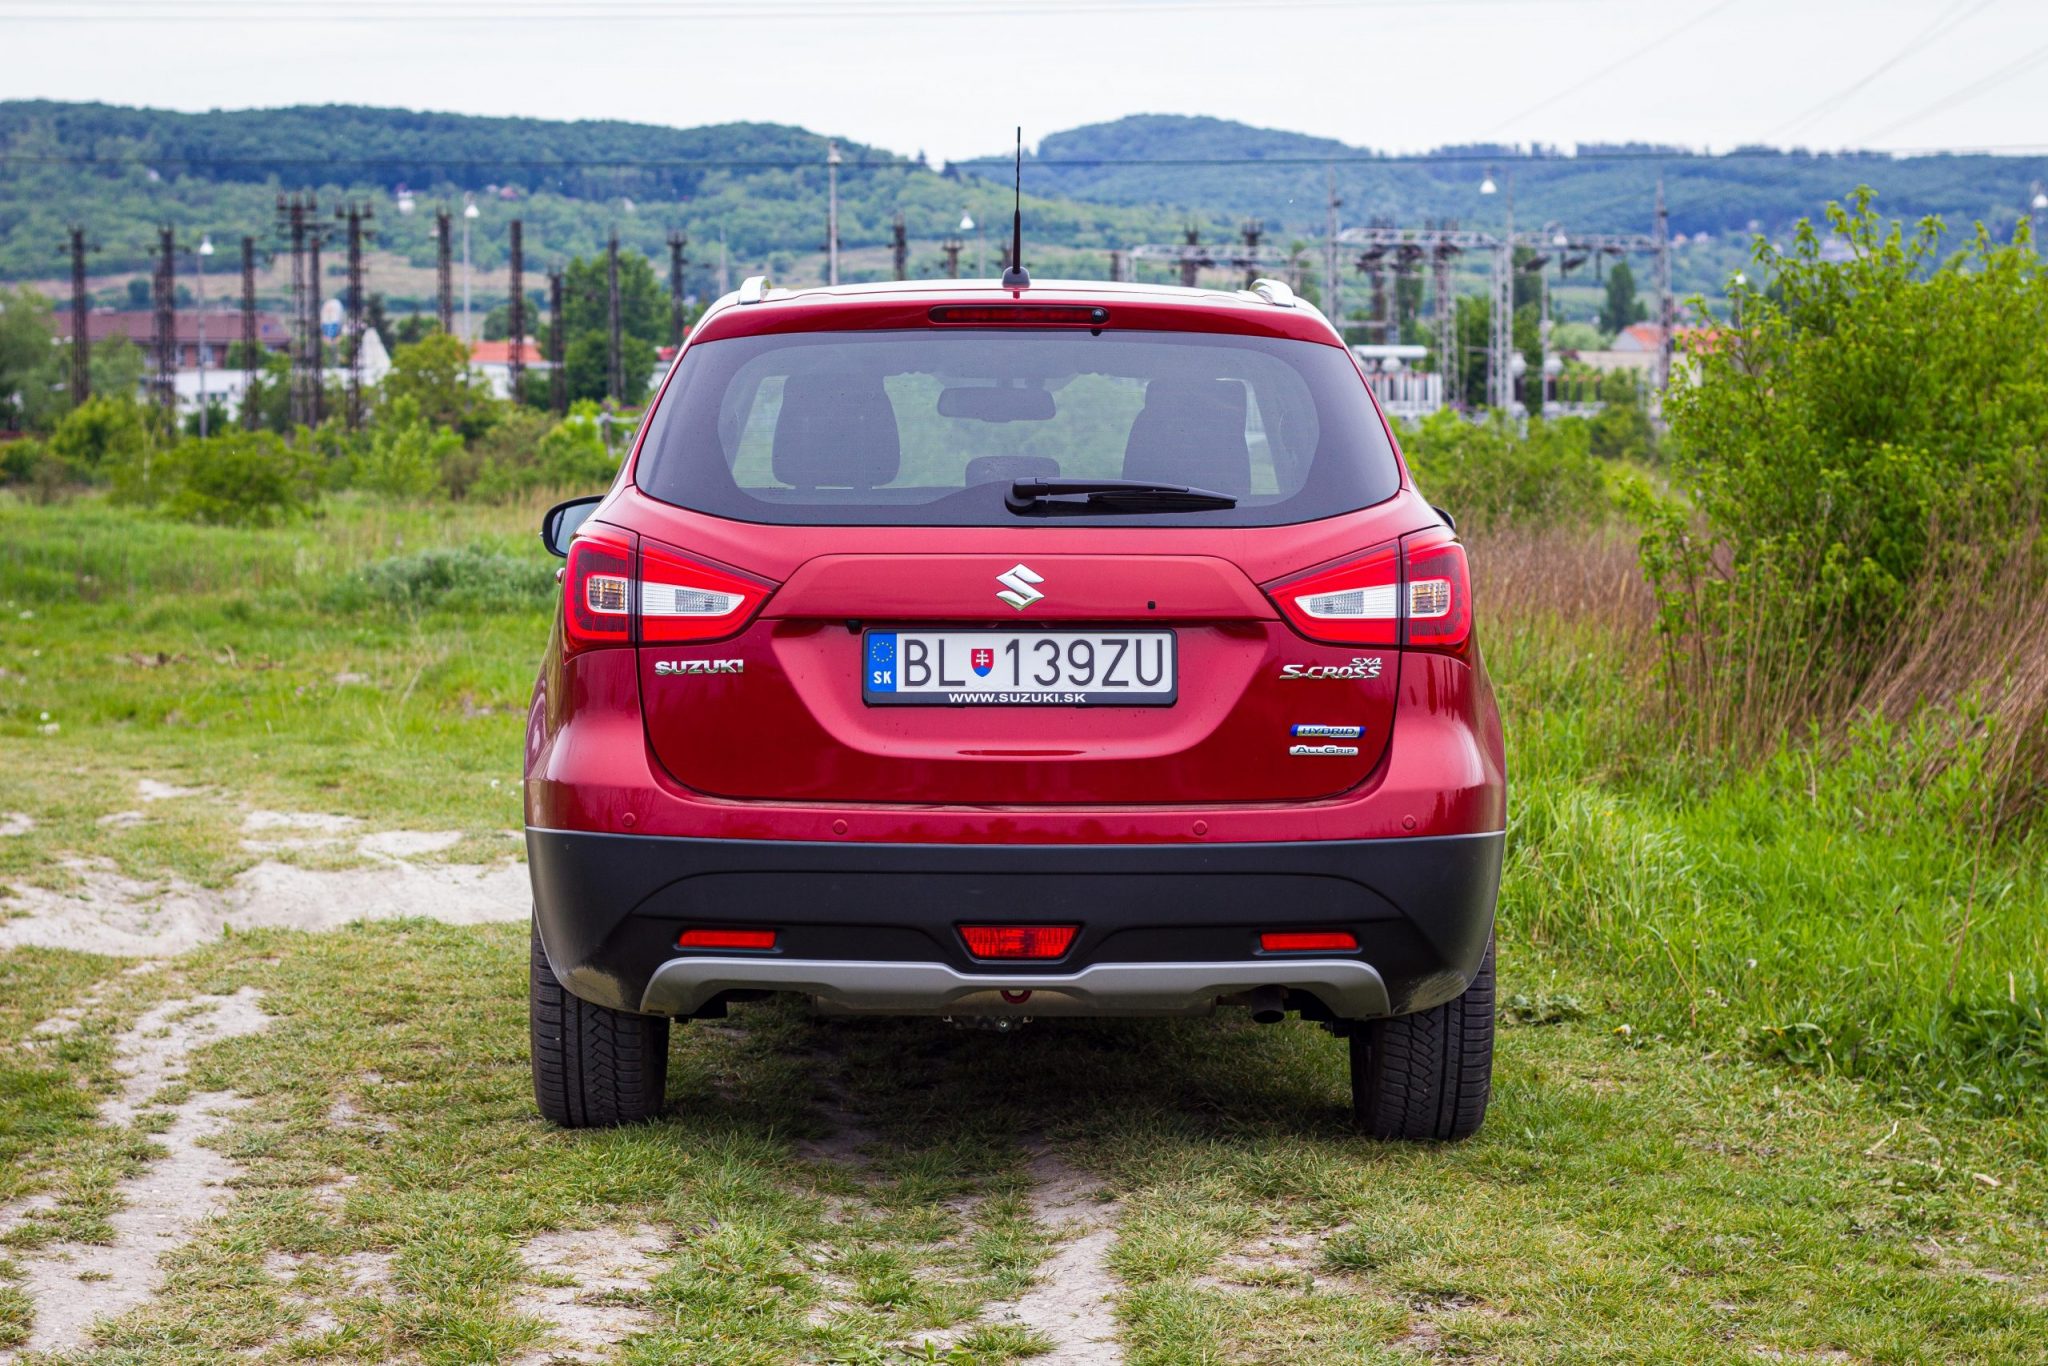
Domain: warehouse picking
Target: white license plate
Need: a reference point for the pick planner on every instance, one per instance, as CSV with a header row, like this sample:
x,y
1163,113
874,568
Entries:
x,y
1020,668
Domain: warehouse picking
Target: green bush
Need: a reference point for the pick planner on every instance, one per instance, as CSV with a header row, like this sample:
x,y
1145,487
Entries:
x,y
405,455
99,435
1849,417
235,479
461,579
570,455
1487,474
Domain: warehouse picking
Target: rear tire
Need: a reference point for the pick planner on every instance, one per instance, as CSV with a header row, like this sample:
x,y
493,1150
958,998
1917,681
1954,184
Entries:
x,y
593,1067
1427,1077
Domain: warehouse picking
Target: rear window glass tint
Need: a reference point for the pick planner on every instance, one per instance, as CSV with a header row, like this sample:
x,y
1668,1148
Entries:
x,y
932,427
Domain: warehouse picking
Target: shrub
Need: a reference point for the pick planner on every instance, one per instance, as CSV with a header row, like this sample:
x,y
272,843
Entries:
x,y
1863,435
235,479
512,444
405,455
464,578
570,455
434,375
99,435
1487,474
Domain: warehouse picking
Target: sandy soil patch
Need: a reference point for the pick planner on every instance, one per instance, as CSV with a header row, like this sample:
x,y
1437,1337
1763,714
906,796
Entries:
x,y
150,790
15,823
74,1285
1072,1299
111,913
590,1279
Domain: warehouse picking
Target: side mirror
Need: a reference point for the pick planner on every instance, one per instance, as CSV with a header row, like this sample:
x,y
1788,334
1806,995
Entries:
x,y
1449,520
563,520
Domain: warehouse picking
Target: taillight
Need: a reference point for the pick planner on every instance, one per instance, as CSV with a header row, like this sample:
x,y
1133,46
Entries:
x,y
1308,941
1372,599
1357,603
1439,592
597,592
671,599
683,599
754,940
1018,941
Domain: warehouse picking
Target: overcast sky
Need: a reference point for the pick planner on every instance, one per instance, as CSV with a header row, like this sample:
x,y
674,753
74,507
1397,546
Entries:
x,y
952,78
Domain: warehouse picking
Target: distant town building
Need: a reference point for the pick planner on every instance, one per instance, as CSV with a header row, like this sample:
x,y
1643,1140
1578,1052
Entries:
x,y
493,360
223,329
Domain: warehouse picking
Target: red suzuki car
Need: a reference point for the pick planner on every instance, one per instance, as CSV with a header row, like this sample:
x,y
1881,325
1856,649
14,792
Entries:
x,y
992,652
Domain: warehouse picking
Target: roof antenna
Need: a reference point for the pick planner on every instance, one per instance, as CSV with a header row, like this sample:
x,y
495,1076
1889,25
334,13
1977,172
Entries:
x,y
1016,277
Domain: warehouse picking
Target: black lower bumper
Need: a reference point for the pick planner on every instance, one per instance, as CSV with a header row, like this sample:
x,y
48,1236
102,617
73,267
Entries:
x,y
610,909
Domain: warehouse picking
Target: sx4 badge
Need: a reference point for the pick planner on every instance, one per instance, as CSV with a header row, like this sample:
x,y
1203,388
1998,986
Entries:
x,y
1361,667
669,668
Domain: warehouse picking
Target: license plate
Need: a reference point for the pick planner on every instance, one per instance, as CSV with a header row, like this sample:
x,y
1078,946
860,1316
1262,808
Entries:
x,y
1020,668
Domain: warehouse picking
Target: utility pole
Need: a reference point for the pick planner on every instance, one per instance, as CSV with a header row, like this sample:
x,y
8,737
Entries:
x,y
515,314
1667,307
1191,261
558,375
165,331
354,215
251,354
952,246
832,213
205,249
317,367
1252,231
444,274
1116,266
676,261
615,374
1333,307
469,215
1501,351
81,344
1448,362
899,247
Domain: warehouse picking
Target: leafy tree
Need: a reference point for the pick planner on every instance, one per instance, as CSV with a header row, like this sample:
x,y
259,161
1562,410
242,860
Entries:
x,y
1845,415
1622,307
31,368
116,367
140,294
434,375
586,322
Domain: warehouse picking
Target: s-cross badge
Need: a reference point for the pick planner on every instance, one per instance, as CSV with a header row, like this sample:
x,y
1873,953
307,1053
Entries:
x,y
1017,589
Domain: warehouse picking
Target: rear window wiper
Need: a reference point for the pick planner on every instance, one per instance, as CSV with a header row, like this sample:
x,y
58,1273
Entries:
x,y
1056,497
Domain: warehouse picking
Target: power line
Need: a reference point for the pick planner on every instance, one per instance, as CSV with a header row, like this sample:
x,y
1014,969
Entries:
x,y
1618,63
656,11
1950,19
1476,155
1981,86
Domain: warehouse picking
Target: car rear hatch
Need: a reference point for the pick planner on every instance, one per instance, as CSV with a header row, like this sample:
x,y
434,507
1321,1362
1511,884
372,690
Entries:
x,y
1012,554
1236,707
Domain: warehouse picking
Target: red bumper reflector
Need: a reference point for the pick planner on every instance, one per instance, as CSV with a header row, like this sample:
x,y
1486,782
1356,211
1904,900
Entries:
x,y
1018,941
1309,941
726,939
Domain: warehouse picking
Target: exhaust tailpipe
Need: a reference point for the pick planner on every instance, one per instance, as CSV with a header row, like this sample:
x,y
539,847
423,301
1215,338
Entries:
x,y
1268,1005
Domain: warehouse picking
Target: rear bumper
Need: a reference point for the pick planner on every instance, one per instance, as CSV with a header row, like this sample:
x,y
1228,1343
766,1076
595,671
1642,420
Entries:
x,y
1165,929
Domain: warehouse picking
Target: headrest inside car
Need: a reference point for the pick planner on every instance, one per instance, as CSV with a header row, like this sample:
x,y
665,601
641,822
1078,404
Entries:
x,y
836,431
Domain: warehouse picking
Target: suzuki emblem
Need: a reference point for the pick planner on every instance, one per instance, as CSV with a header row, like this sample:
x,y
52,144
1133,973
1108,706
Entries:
x,y
1017,589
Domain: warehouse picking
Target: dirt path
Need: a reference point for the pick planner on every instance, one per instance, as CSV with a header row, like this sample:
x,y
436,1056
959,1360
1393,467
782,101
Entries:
x,y
111,913
74,1285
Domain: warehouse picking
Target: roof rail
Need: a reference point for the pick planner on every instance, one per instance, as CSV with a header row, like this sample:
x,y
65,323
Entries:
x,y
753,289
1274,292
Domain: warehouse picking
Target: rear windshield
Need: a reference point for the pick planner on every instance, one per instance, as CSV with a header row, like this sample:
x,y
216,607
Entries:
x,y
930,428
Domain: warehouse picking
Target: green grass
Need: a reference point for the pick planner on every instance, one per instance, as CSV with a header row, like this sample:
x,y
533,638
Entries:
x,y
1693,1156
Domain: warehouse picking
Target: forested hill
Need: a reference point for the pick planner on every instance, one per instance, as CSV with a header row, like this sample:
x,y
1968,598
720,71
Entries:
x,y
1143,160
761,187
